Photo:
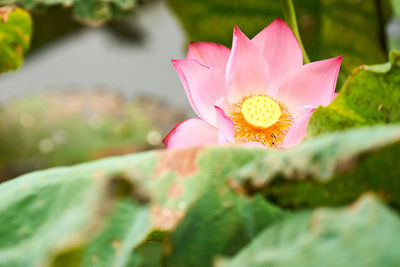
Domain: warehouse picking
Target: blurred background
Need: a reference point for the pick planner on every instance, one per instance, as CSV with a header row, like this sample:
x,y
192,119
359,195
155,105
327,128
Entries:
x,y
97,79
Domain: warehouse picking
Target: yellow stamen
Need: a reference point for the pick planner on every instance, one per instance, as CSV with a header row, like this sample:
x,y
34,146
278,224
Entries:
x,y
260,119
260,112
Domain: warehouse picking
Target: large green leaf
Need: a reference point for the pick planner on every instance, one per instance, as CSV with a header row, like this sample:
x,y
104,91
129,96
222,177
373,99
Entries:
x,y
87,11
330,170
50,217
184,207
329,28
364,234
15,35
220,222
74,217
370,96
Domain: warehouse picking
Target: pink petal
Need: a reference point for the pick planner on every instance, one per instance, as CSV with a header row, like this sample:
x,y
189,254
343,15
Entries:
x,y
203,86
225,126
281,50
298,130
224,104
209,54
191,132
247,72
313,84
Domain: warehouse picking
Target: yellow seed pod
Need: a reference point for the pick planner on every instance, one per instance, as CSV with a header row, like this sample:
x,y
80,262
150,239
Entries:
x,y
260,112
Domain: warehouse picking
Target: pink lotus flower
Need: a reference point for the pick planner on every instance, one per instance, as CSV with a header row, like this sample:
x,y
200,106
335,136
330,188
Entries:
x,y
259,93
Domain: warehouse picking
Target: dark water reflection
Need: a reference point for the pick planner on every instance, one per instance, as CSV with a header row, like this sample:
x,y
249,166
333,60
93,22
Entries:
x,y
94,57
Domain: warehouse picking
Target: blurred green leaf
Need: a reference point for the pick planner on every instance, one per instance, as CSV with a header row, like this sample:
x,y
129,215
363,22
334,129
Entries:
x,y
211,20
15,35
61,128
185,207
370,96
87,11
396,7
363,234
333,169
328,28
202,216
218,224
115,212
50,218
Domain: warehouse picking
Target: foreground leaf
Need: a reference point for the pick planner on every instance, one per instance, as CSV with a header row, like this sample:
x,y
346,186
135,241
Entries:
x,y
363,234
370,96
47,214
185,207
73,215
330,170
15,35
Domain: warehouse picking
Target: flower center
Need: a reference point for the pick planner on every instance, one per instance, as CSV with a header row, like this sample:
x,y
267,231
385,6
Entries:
x,y
261,119
261,112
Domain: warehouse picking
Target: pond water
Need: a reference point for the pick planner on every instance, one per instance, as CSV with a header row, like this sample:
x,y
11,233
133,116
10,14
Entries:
x,y
93,58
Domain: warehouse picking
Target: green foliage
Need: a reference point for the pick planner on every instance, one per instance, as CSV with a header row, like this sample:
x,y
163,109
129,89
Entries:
x,y
186,207
371,95
86,11
15,35
396,8
214,20
205,206
58,129
364,234
331,170
59,213
116,210
328,28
